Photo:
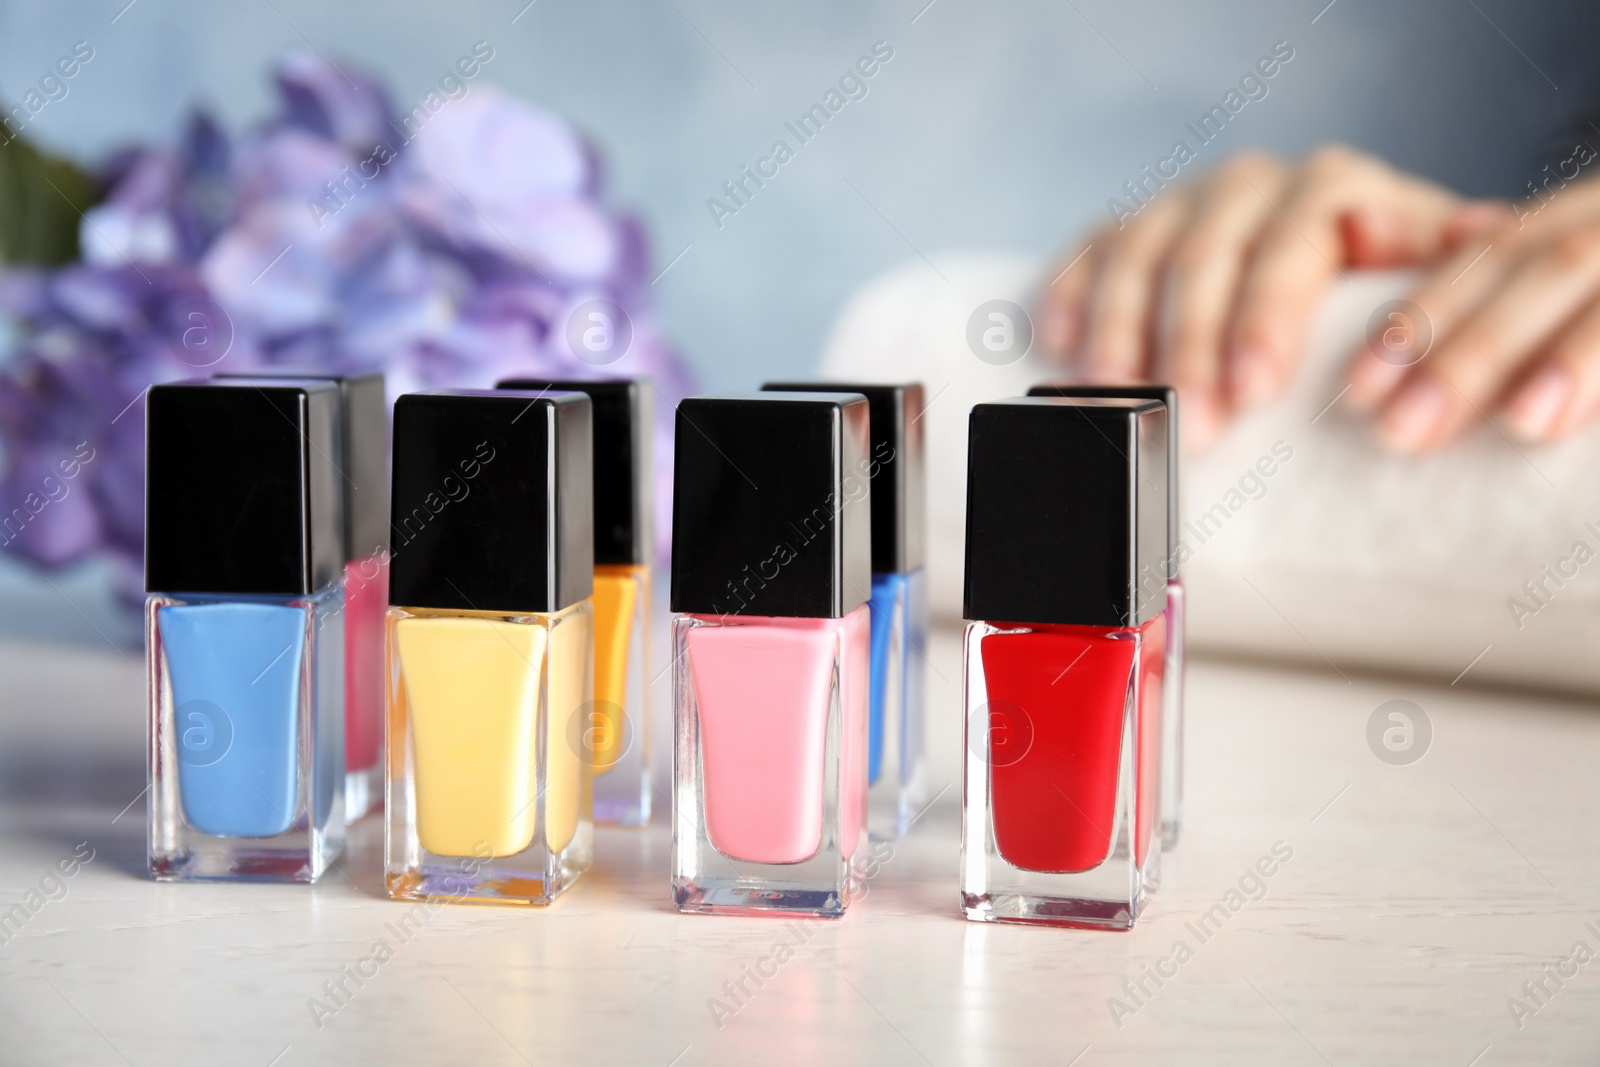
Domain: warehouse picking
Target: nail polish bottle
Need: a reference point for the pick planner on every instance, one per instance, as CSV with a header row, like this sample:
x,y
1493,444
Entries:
x,y
363,470
771,572
490,646
244,630
623,544
1066,533
899,603
1172,689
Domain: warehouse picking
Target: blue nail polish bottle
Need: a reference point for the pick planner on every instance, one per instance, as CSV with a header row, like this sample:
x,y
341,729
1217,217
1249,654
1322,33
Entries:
x,y
899,601
244,558
363,465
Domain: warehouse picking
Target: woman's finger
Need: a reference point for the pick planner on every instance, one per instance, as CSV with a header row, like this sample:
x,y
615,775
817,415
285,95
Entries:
x,y
1475,219
1469,369
1379,236
1446,297
1298,254
1122,304
1063,306
1487,252
1201,287
1304,249
1562,391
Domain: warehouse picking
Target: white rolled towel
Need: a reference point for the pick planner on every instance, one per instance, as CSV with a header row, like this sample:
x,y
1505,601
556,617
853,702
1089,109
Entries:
x,y
1305,539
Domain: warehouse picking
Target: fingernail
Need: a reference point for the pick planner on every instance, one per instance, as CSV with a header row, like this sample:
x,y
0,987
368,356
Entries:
x,y
1101,371
1533,412
1414,415
1370,380
1055,330
1255,377
1202,420
1478,215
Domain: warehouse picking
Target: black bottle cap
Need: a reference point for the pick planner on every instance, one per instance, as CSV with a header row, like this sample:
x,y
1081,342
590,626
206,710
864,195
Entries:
x,y
895,466
1066,511
241,490
493,501
364,460
623,501
769,509
1168,396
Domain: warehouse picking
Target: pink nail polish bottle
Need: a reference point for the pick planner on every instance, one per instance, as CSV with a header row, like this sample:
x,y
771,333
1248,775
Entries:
x,y
771,573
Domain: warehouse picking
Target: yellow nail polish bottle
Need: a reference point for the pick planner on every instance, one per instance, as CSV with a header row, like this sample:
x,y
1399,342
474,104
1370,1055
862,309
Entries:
x,y
619,728
489,647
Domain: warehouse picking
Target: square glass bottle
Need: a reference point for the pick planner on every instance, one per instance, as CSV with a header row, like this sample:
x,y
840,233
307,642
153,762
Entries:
x,y
1064,661
771,642
363,465
1172,691
244,630
490,647
624,543
896,775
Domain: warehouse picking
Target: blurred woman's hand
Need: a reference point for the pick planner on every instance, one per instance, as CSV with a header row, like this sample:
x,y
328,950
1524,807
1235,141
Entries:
x,y
1212,285
1515,319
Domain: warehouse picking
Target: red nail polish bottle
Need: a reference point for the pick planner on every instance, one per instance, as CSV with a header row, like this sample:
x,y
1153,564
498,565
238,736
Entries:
x,y
1172,692
1066,579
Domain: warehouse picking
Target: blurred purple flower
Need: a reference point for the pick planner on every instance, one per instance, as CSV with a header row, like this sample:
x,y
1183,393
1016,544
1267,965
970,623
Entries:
x,y
450,249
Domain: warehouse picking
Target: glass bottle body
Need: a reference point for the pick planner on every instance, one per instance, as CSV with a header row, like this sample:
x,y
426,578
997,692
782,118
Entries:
x,y
1172,718
246,735
895,766
620,723
1062,776
366,597
488,774
769,761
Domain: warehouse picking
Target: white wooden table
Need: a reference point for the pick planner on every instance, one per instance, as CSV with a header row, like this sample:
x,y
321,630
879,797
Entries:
x,y
1418,901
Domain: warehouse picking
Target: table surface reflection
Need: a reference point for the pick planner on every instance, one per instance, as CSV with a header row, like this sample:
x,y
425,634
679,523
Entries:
x,y
1418,901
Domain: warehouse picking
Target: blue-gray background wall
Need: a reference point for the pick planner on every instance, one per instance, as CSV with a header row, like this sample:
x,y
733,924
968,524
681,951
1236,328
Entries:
x,y
993,126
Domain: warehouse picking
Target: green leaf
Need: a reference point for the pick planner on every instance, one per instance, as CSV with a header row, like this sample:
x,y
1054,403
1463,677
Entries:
x,y
42,201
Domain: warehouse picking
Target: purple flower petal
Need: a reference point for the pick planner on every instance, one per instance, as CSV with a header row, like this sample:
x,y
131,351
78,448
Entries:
x,y
335,103
450,249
